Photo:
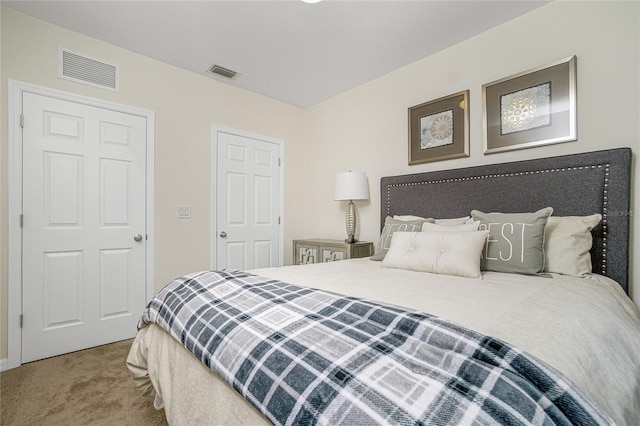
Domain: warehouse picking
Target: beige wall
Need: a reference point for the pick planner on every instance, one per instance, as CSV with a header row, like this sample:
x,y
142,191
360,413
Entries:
x,y
363,129
185,105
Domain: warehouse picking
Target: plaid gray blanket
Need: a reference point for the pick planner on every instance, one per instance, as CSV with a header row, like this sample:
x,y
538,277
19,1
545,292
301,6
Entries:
x,y
304,356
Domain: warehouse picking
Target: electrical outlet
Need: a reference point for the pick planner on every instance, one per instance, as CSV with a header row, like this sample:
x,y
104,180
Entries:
x,y
184,211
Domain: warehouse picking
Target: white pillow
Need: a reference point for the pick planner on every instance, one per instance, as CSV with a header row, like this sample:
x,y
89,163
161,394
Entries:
x,y
447,253
409,217
454,221
567,241
462,227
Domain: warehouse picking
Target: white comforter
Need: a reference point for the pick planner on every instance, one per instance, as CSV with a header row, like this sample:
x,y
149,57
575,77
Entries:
x,y
585,327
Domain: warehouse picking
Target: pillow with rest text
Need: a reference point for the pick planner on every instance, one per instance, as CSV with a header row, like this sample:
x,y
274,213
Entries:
x,y
392,225
516,241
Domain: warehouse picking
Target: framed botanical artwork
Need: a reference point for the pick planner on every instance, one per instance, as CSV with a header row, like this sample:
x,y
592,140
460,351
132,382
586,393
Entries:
x,y
532,108
439,129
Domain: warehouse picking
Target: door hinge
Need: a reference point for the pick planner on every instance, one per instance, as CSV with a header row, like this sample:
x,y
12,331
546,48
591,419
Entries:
x,y
21,320
279,220
279,162
21,120
21,221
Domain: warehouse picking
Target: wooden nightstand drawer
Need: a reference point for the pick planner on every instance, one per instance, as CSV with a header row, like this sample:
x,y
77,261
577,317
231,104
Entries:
x,y
318,250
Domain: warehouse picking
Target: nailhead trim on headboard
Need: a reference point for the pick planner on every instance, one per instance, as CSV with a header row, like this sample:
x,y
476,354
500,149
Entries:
x,y
573,194
605,220
605,206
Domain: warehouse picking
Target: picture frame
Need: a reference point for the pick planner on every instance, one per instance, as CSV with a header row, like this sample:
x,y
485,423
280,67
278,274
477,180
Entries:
x,y
532,108
439,129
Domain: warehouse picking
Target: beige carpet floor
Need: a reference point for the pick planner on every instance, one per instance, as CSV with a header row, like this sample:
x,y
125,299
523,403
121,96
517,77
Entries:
x,y
89,387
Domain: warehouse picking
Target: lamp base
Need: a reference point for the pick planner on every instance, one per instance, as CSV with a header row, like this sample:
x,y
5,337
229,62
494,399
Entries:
x,y
351,223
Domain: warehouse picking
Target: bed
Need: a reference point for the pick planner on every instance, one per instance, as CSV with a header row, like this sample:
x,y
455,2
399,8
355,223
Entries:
x,y
576,323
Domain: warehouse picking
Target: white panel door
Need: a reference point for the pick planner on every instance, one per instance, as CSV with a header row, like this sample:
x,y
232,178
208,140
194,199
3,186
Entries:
x,y
248,200
84,226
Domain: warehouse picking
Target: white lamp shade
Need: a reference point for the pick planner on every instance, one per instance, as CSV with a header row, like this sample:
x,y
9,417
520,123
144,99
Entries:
x,y
351,186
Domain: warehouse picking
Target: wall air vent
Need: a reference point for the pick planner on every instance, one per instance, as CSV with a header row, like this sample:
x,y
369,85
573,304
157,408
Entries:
x,y
224,72
83,69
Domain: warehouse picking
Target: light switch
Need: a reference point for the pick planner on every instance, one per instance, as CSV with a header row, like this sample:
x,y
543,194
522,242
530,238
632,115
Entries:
x,y
184,211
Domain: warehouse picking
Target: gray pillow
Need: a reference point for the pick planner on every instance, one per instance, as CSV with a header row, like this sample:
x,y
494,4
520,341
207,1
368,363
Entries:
x,y
392,225
516,241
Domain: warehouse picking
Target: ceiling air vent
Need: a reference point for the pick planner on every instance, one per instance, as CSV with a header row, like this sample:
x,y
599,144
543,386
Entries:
x,y
83,69
225,72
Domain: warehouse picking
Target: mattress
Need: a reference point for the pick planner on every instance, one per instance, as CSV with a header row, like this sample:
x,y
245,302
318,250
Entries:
x,y
587,328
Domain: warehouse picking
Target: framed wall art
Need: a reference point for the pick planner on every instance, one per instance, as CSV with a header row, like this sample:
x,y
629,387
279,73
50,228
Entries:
x,y
439,129
532,108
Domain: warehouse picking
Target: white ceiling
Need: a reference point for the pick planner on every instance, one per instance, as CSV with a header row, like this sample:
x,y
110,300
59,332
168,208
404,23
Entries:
x,y
292,51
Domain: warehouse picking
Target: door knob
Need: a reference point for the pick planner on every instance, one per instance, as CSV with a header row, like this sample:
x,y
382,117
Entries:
x,y
137,238
223,234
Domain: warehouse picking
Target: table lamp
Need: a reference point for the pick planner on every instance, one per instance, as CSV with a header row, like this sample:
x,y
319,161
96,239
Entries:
x,y
351,186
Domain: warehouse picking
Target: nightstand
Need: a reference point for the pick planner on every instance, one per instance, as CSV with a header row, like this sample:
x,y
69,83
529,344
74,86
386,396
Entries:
x,y
317,250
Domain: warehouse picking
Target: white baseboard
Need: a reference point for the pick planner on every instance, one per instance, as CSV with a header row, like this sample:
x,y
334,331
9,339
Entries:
x,y
4,364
